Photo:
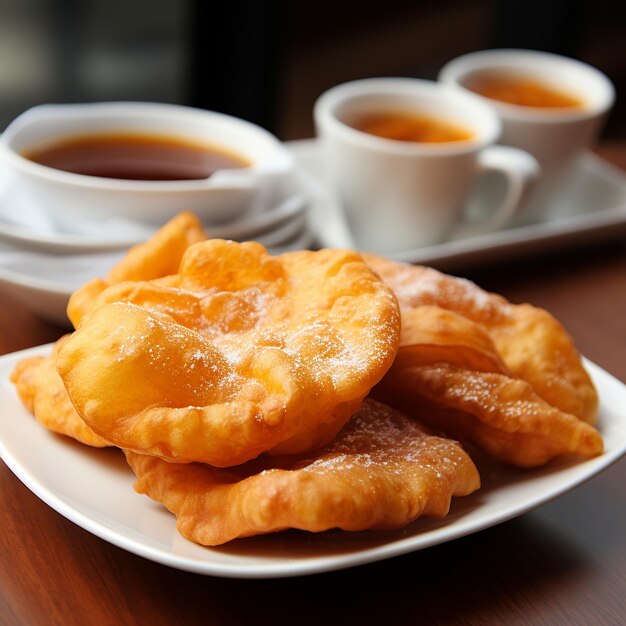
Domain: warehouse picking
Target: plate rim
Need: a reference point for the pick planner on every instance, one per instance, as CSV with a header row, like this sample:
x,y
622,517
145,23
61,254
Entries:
x,y
51,242
284,567
290,211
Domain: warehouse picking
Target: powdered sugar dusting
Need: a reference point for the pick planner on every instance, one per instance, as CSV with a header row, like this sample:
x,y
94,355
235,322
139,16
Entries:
x,y
418,285
379,439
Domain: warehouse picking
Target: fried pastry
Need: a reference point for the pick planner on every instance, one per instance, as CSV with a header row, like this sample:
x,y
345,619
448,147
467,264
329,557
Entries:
x,y
448,373
502,415
239,353
159,256
532,344
381,471
42,392
431,334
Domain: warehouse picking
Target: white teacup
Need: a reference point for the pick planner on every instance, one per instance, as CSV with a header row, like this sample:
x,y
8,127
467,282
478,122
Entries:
x,y
401,195
555,136
72,202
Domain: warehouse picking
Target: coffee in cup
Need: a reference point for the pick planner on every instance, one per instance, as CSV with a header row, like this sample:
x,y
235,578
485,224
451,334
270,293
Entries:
x,y
521,90
407,126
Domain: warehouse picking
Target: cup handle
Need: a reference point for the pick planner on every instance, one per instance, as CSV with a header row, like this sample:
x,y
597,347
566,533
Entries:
x,y
520,169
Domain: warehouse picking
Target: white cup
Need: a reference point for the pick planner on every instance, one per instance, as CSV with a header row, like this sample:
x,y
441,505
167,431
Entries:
x,y
554,136
69,199
401,195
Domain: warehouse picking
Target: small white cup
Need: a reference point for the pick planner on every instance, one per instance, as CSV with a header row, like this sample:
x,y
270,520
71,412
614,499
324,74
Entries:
x,y
69,200
554,136
401,195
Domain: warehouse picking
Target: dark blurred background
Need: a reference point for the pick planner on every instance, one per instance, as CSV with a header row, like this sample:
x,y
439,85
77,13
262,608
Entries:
x,y
268,61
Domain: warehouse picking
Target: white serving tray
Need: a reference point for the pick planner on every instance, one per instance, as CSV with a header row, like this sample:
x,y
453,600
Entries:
x,y
43,281
593,209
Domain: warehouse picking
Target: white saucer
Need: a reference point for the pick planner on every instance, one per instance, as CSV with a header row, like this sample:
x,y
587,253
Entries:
x,y
44,281
594,198
30,228
42,269
63,242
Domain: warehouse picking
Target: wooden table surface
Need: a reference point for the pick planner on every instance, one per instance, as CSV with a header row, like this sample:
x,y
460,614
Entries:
x,y
564,563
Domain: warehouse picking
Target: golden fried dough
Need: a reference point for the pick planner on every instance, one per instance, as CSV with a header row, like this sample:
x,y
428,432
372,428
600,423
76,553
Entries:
x,y
533,345
239,353
536,347
503,415
158,257
448,373
431,334
381,471
41,390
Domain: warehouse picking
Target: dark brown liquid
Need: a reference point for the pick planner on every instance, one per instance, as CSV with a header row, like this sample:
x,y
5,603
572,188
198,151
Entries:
x,y
403,126
519,90
135,157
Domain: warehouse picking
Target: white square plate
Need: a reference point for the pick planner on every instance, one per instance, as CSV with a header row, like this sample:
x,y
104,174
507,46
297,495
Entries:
x,y
93,488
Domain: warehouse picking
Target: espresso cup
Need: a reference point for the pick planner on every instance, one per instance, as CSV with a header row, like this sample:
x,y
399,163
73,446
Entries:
x,y
400,195
554,131
75,203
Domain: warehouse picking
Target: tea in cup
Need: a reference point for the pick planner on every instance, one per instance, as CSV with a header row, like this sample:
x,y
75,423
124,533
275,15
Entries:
x,y
551,106
83,166
402,154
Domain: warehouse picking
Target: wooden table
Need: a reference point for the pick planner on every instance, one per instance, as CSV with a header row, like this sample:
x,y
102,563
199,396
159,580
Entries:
x,y
562,564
